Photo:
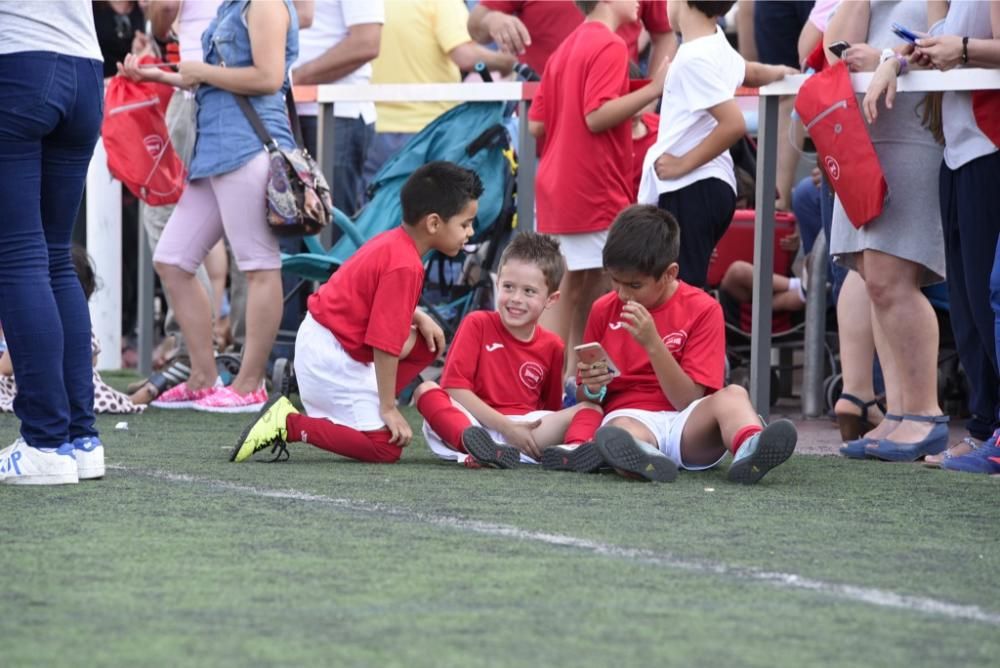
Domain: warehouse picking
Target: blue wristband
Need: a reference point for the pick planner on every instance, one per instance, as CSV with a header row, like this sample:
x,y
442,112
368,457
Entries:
x,y
595,396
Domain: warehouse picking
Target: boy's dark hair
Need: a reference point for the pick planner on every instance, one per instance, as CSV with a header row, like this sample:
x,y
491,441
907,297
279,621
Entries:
x,y
84,270
586,6
712,8
643,238
438,187
540,250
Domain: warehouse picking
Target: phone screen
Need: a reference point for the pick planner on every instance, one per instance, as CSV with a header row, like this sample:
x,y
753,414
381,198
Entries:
x,y
838,48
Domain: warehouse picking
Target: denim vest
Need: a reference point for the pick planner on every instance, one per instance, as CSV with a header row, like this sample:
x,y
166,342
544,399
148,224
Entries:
x,y
226,140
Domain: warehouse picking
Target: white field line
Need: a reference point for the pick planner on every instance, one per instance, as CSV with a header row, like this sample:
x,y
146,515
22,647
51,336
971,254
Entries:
x,y
868,595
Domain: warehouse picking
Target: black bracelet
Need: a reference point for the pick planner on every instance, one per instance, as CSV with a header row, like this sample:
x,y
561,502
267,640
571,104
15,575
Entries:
x,y
965,49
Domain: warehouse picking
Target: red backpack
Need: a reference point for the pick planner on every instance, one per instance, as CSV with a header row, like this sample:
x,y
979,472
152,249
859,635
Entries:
x,y
135,136
828,108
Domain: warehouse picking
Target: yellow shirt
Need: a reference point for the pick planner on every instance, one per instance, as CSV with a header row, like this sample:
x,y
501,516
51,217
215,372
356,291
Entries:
x,y
416,39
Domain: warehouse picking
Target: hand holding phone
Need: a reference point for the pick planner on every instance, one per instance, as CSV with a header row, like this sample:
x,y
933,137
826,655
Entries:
x,y
838,48
904,33
594,354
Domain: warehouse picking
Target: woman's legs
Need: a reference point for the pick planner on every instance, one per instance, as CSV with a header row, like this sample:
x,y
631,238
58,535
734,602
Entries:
x,y
241,196
46,142
907,320
193,229
857,345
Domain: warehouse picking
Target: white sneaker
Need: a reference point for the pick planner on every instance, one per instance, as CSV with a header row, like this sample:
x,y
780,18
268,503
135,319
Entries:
x,y
89,458
21,464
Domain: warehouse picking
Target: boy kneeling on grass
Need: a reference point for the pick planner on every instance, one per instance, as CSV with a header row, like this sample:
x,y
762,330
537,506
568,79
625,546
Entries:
x,y
363,339
503,377
666,409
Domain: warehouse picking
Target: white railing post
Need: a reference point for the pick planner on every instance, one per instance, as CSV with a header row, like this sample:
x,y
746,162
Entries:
x,y
104,245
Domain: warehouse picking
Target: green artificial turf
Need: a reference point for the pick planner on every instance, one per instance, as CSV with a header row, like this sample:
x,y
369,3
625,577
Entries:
x,y
179,557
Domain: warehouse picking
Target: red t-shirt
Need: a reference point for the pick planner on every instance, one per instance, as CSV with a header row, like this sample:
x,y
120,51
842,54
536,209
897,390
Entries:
x,y
642,145
584,178
369,301
511,376
691,325
549,22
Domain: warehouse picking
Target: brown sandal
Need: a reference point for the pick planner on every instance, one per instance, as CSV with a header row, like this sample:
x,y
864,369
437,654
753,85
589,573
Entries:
x,y
852,426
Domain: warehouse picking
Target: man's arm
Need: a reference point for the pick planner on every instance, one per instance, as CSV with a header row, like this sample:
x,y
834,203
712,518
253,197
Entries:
x,y
507,31
360,46
162,14
468,54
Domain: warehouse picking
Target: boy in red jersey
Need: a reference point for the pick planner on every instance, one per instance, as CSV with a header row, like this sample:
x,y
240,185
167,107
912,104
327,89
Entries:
x,y
363,339
583,110
666,409
503,377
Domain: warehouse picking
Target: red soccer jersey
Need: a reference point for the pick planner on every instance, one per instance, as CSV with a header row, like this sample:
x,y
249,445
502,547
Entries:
x,y
584,178
549,22
642,145
369,302
511,376
690,324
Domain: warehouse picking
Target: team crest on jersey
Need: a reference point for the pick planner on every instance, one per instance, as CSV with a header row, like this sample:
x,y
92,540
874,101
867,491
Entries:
x,y
531,374
675,341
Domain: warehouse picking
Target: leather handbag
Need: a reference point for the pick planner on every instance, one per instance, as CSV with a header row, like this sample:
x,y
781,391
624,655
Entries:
x,y
298,196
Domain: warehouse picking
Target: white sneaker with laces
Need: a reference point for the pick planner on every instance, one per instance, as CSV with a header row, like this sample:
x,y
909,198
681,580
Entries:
x,y
89,453
21,464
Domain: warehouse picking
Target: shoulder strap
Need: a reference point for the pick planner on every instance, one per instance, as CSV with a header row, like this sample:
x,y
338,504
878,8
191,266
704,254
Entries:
x,y
293,118
255,121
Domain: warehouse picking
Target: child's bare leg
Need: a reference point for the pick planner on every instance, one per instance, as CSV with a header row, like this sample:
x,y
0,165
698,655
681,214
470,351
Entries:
x,y
637,429
552,430
714,422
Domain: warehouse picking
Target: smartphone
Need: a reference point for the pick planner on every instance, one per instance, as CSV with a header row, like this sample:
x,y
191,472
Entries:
x,y
905,33
838,48
592,353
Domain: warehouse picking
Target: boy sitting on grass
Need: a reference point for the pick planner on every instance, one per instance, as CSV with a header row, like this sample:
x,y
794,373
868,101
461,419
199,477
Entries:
x,y
363,339
502,379
666,409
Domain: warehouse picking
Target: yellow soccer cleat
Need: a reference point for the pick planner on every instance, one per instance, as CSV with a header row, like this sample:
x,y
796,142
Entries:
x,y
267,430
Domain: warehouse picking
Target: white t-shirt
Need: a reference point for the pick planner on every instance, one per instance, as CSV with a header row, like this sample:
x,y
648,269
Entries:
x,y
331,21
192,20
963,140
65,27
706,72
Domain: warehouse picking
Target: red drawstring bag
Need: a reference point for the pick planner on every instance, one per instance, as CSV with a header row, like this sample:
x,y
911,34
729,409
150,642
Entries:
x,y
135,136
986,110
828,108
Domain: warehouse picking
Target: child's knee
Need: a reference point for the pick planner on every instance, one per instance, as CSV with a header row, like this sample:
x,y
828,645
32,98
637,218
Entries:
x,y
637,429
586,405
423,388
732,396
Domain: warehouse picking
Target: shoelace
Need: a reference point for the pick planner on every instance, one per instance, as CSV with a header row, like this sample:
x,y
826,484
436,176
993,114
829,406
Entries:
x,y
281,448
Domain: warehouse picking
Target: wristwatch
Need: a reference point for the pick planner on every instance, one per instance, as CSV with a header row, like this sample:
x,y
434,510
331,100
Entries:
x,y
887,54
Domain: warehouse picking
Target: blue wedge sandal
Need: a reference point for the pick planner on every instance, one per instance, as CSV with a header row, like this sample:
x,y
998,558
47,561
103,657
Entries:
x,y
894,451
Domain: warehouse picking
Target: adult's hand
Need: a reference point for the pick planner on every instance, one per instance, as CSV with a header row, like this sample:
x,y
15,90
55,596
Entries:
x,y
508,32
944,52
861,58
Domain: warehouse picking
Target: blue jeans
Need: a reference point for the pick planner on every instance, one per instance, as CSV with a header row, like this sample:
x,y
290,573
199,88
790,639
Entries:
x,y
385,145
51,107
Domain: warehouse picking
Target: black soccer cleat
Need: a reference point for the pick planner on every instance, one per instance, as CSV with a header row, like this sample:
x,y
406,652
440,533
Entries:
x,y
582,458
481,446
634,459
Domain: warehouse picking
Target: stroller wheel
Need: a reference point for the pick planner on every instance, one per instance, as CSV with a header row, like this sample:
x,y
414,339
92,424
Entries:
x,y
282,376
832,386
228,366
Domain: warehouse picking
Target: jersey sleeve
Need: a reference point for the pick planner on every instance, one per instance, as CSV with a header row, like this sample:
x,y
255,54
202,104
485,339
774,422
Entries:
x,y
653,14
536,112
450,25
606,75
359,13
392,310
705,351
463,355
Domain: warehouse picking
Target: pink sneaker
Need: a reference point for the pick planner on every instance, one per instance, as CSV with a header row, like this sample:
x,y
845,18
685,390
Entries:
x,y
179,396
227,400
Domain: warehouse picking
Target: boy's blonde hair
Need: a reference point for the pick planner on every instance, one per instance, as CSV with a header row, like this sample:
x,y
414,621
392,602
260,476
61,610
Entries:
x,y
540,250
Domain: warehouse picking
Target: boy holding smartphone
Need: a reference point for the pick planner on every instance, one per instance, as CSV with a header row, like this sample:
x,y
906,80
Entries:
x,y
500,395
668,409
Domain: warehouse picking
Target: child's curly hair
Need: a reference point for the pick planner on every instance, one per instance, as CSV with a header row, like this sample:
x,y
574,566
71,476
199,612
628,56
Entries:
x,y
84,269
